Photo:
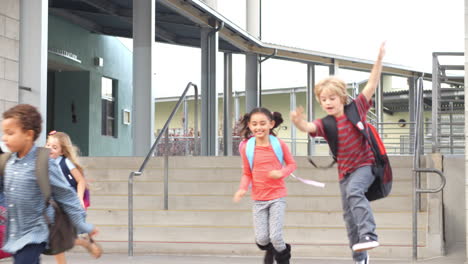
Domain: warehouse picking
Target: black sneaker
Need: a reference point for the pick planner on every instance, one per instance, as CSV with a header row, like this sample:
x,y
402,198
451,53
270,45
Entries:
x,y
365,244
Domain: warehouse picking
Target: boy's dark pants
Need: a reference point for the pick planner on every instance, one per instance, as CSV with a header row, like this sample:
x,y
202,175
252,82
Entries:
x,y
357,212
30,254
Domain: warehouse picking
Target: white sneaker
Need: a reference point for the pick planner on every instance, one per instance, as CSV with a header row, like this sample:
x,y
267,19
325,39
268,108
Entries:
x,y
365,244
364,261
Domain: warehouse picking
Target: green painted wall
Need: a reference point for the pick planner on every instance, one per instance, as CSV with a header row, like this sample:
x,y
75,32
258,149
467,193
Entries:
x,y
117,65
71,107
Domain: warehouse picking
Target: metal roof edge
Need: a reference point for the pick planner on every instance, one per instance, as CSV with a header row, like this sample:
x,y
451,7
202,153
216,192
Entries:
x,y
248,43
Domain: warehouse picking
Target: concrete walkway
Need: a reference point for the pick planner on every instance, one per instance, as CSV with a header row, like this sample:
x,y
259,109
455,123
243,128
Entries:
x,y
456,256
76,258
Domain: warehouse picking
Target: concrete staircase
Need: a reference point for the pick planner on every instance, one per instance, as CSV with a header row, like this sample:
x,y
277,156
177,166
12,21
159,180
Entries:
x,y
202,219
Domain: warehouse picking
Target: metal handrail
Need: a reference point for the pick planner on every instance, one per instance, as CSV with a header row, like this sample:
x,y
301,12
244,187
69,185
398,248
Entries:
x,y
148,156
417,170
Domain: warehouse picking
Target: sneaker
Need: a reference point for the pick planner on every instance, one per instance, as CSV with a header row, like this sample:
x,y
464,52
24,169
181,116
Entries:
x,y
365,244
364,261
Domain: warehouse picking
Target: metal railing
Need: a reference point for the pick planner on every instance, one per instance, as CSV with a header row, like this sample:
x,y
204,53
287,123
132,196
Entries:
x,y
417,170
398,138
149,155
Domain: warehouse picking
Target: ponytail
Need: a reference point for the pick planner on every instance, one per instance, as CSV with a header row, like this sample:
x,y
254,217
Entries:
x,y
245,130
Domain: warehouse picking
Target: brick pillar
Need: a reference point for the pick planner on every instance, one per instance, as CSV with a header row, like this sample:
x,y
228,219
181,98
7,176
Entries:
x,y
9,53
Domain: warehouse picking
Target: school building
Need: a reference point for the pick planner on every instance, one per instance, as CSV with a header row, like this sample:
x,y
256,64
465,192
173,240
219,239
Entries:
x,y
63,57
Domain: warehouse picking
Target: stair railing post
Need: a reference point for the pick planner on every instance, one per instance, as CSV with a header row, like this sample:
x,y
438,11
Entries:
x,y
150,153
417,170
166,170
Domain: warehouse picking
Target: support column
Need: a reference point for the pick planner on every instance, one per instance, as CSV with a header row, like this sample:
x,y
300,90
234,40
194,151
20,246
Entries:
x,y
466,121
144,17
412,111
186,127
237,113
333,69
252,67
209,100
310,102
435,104
252,80
186,116
227,131
292,106
379,105
33,58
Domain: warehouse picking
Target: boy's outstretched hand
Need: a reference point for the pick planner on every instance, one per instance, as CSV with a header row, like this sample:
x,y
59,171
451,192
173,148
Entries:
x,y
298,118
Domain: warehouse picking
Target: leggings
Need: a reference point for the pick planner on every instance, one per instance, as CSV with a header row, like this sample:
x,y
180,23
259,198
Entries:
x,y
269,221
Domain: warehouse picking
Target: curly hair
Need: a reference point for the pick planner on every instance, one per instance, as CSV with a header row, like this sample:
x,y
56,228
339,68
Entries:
x,y
28,117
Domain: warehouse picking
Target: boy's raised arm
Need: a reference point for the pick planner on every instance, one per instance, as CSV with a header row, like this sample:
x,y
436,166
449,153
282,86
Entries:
x,y
374,78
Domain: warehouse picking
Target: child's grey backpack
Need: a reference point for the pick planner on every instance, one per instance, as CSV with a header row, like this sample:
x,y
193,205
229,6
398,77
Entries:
x,y
62,232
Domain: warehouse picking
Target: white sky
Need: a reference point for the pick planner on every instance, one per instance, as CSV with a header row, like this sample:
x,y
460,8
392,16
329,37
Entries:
x,y
413,30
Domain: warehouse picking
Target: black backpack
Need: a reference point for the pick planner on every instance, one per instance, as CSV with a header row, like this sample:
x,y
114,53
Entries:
x,y
382,185
62,233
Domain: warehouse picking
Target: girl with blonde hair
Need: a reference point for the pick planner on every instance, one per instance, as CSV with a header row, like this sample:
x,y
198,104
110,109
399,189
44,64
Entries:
x,y
66,157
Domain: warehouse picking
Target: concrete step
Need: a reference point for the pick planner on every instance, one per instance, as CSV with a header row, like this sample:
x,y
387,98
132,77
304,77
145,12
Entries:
x,y
209,162
218,173
326,203
243,217
245,234
313,250
220,187
212,168
203,219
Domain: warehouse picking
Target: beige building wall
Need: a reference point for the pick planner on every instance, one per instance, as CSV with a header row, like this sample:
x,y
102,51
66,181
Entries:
x,y
9,53
393,134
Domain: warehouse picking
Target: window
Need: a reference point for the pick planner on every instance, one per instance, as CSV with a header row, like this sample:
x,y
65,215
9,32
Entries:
x,y
108,113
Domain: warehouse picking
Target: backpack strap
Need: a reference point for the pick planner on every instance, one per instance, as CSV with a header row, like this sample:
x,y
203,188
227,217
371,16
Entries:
x,y
67,173
331,133
250,151
3,160
42,172
353,115
275,144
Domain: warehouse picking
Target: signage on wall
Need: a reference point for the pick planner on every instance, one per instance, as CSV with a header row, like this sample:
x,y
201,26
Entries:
x,y
126,117
64,54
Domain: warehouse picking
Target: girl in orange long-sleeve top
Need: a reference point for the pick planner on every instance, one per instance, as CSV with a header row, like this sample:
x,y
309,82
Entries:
x,y
266,161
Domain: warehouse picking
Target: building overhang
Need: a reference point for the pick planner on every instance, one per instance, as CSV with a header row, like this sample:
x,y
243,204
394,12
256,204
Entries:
x,y
179,22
